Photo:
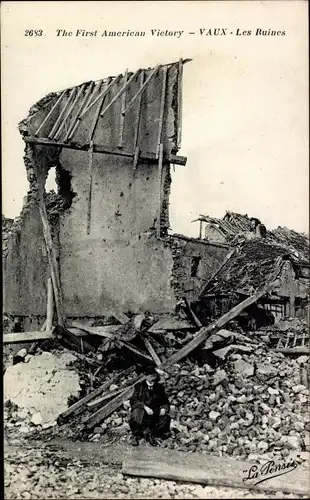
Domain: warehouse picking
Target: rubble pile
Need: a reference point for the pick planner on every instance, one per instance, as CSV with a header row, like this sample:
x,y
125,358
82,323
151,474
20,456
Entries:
x,y
291,332
233,396
39,389
253,405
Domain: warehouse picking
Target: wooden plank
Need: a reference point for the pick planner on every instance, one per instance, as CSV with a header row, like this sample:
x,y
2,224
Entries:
x,y
90,186
120,93
20,337
43,327
191,314
137,129
50,305
160,172
93,330
152,351
293,350
73,120
122,119
73,408
152,157
161,110
219,323
61,114
141,90
179,97
146,461
74,342
171,323
104,398
96,117
135,160
217,271
120,316
108,409
82,106
68,113
54,270
137,353
50,113
101,95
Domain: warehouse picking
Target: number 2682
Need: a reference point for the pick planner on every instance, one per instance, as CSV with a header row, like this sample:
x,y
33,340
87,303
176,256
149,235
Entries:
x,y
33,32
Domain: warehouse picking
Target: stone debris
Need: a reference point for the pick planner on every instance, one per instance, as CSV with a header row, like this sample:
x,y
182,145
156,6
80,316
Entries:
x,y
42,386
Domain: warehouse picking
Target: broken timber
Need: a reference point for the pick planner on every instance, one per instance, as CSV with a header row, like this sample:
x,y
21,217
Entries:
x,y
152,352
219,323
174,465
175,159
52,261
73,408
90,186
182,353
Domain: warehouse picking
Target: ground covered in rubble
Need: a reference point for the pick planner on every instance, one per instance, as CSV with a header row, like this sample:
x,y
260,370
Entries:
x,y
254,405
39,473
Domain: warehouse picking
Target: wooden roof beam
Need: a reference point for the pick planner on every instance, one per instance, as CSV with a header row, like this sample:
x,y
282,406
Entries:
x,y
174,159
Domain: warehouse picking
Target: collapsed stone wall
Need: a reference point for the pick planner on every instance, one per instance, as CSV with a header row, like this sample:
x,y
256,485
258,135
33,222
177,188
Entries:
x,y
194,262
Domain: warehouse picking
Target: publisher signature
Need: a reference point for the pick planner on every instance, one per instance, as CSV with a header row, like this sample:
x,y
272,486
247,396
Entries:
x,y
268,470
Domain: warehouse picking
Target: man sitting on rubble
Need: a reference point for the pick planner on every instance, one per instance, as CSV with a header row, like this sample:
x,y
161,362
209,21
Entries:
x,y
149,417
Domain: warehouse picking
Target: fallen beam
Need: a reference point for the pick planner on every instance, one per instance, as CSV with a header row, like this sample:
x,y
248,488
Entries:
x,y
103,398
152,352
293,350
219,323
174,465
175,159
79,404
136,352
191,314
92,330
104,412
13,338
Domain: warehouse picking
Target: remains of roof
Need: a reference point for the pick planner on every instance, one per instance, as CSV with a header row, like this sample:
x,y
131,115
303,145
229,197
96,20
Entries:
x,y
80,116
233,225
249,268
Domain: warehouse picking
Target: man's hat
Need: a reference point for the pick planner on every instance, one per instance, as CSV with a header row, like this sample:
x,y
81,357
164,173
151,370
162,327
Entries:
x,y
149,370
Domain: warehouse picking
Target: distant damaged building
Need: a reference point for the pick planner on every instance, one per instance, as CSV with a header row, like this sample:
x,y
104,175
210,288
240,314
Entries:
x,y
103,237
257,257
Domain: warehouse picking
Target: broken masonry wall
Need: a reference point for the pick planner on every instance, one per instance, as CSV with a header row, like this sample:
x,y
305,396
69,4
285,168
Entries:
x,y
212,234
120,263
6,228
194,262
25,267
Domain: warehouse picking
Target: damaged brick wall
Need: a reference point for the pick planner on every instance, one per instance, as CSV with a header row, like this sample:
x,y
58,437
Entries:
x,y
194,262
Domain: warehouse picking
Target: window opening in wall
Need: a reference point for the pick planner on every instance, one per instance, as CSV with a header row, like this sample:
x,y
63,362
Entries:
x,y
195,266
278,310
51,184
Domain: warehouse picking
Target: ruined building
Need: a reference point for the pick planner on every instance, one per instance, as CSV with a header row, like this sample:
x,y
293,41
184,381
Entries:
x,y
103,238
257,256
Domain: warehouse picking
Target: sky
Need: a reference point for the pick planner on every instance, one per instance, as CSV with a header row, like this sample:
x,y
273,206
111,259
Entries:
x,y
245,98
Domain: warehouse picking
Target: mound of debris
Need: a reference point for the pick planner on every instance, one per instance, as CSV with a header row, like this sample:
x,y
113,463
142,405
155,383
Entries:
x,y
254,405
232,395
291,333
40,388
